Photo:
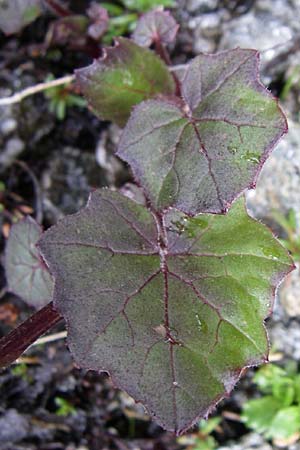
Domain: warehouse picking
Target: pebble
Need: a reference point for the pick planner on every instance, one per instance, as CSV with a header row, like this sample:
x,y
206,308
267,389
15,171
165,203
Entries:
x,y
290,294
278,185
200,6
260,31
285,338
12,150
249,441
8,126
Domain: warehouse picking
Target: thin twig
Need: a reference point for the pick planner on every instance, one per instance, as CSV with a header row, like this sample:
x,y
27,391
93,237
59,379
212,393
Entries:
x,y
50,338
19,96
178,67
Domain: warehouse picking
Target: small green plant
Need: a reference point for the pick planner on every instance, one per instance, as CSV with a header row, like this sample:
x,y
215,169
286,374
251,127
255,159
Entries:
x,y
292,81
290,227
20,370
64,407
123,17
202,439
276,414
2,191
61,97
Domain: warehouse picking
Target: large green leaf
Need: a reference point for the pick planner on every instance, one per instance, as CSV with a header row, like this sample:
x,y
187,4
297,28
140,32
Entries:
x,y
126,75
171,307
200,153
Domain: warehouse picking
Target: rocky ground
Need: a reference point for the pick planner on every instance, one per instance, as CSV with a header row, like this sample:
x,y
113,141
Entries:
x,y
61,161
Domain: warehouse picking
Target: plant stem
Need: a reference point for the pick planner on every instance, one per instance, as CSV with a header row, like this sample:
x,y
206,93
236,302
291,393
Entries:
x,y
163,53
17,341
19,96
60,10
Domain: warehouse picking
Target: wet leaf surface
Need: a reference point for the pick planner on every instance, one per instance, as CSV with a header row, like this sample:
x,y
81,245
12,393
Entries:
x,y
204,151
171,307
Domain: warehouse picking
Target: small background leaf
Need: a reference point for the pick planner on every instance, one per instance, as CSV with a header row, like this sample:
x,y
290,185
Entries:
x,y
172,311
259,413
16,14
27,276
155,26
125,76
285,423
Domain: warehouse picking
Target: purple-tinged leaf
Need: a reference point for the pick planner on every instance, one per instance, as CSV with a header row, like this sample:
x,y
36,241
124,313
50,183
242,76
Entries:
x,y
126,75
16,14
99,18
27,275
70,30
155,26
172,307
198,155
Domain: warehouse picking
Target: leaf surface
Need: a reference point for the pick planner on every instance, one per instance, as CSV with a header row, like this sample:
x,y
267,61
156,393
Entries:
x,y
27,276
16,14
171,307
126,75
155,26
198,155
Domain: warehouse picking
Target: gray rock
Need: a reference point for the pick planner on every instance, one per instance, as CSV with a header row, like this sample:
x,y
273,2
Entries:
x,y
278,186
271,27
13,427
12,150
285,338
200,6
206,30
249,441
8,126
290,294
262,31
70,177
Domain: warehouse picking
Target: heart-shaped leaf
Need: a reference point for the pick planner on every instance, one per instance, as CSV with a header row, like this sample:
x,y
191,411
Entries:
x,y
27,275
198,155
125,76
16,14
171,307
155,26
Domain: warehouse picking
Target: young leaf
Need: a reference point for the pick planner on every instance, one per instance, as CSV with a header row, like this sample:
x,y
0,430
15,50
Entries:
x,y
16,14
145,5
155,26
100,20
259,413
171,307
198,155
285,423
27,276
126,75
